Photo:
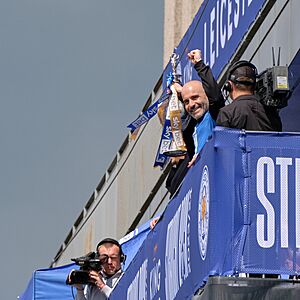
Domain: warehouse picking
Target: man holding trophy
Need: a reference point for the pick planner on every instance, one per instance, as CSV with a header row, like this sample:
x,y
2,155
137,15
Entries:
x,y
202,101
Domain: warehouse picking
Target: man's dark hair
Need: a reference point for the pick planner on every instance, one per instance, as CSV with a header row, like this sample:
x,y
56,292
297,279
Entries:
x,y
114,242
243,74
242,85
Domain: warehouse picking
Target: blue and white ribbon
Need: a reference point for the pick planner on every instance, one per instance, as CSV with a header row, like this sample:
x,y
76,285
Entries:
x,y
148,114
164,144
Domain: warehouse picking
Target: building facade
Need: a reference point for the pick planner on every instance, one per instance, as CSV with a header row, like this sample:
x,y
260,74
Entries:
x,y
132,191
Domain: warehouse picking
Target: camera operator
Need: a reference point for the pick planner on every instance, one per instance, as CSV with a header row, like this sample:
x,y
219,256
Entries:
x,y
102,282
246,111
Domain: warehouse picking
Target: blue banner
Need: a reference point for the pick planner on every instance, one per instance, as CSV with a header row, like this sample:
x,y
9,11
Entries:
x,y
273,211
238,211
217,30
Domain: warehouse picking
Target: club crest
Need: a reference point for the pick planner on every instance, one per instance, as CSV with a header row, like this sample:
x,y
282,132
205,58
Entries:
x,y
203,212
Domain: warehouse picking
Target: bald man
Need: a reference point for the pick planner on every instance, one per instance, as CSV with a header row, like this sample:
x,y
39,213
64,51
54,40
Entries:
x,y
194,99
196,104
202,101
198,98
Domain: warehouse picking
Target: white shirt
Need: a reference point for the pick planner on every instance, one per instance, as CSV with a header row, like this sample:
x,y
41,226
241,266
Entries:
x,y
92,292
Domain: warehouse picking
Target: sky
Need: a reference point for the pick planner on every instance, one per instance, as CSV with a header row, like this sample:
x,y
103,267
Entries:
x,y
73,75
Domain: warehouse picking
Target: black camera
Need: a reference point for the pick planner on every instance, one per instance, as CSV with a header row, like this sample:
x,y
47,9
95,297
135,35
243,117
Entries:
x,y
272,87
87,263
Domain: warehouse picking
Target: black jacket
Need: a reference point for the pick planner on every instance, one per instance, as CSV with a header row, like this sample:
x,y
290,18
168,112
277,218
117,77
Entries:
x,y
216,101
247,112
211,88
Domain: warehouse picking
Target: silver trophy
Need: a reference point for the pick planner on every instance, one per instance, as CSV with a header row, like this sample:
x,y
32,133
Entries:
x,y
175,111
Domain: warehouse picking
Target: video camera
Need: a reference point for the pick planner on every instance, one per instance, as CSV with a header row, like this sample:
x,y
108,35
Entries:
x,y
87,263
272,87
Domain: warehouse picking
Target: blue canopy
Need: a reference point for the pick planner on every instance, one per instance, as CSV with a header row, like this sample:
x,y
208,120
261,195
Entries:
x,y
48,284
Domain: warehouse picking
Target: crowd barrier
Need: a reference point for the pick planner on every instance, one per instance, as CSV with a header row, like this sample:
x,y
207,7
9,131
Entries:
x,y
237,211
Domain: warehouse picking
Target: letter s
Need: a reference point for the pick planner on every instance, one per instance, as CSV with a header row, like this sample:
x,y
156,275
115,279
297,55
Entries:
x,y
260,189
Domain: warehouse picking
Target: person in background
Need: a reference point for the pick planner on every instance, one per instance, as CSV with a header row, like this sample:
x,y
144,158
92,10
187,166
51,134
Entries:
x,y
246,111
102,283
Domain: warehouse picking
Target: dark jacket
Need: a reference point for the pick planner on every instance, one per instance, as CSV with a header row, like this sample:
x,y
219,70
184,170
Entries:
x,y
211,88
247,112
216,101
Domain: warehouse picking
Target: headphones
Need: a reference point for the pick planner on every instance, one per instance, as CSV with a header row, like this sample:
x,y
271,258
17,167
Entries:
x,y
115,242
227,87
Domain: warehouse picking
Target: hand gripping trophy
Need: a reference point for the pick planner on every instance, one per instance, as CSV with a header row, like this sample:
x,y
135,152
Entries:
x,y
175,110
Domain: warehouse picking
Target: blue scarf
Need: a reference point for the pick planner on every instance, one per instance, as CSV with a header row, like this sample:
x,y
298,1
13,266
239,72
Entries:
x,y
203,131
